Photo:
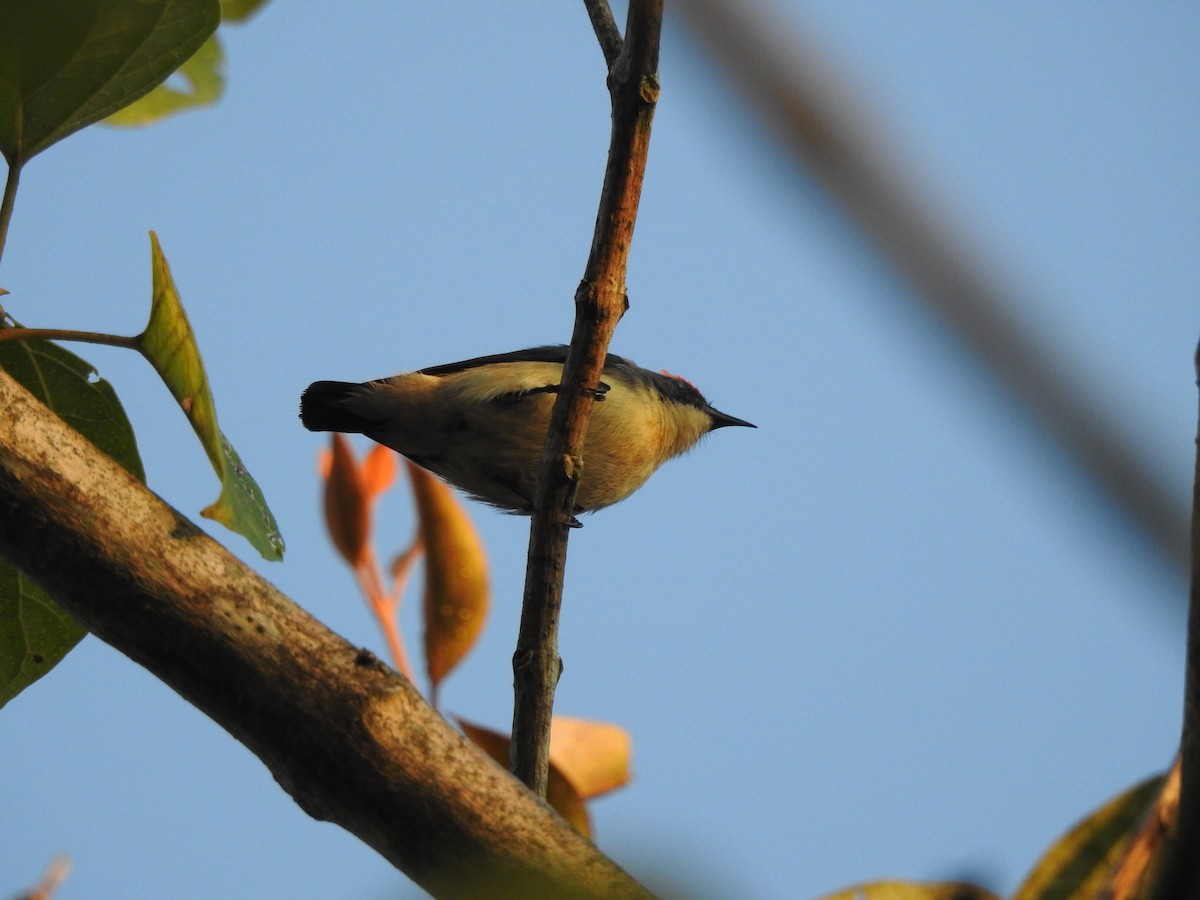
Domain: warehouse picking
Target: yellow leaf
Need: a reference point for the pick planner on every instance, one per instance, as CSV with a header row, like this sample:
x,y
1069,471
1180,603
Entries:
x,y
170,346
205,79
456,578
1080,862
239,10
594,756
912,890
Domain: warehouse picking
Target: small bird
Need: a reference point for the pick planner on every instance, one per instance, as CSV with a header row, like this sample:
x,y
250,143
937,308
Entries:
x,y
481,423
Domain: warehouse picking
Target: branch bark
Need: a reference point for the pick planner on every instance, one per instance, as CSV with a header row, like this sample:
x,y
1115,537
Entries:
x,y
600,301
350,740
1179,874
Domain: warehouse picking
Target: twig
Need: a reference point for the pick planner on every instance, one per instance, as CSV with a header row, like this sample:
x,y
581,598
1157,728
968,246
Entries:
x,y
600,301
7,202
65,334
384,606
606,29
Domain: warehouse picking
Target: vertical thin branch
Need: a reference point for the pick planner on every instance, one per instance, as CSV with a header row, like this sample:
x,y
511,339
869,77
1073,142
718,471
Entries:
x,y
1179,875
8,201
600,301
606,29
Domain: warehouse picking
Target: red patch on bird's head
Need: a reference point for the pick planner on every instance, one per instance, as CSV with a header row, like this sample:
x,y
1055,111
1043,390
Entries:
x,y
677,378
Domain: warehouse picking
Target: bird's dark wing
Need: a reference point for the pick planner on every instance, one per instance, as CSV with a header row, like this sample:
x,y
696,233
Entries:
x,y
554,353
551,353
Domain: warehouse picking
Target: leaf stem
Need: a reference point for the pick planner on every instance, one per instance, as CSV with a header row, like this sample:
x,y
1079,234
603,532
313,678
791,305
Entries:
x,y
384,606
9,199
65,334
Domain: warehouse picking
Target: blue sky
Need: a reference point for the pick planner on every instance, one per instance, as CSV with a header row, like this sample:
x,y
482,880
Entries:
x,y
888,634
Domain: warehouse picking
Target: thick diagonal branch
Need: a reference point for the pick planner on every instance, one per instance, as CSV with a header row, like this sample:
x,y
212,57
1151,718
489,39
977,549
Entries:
x,y
349,739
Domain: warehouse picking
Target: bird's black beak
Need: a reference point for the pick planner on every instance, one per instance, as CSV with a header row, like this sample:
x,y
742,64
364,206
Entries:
x,y
721,420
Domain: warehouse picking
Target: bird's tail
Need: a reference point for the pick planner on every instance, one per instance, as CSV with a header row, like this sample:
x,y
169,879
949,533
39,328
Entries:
x,y
322,407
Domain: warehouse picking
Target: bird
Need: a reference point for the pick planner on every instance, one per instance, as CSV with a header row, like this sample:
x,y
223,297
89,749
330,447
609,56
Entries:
x,y
481,424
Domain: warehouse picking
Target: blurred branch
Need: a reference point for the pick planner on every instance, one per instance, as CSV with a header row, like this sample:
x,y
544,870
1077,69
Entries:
x,y
1180,872
350,740
52,879
600,301
819,122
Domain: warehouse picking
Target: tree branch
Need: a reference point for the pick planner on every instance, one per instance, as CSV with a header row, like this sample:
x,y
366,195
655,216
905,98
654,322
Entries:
x,y
8,199
606,29
818,121
351,741
1179,875
600,301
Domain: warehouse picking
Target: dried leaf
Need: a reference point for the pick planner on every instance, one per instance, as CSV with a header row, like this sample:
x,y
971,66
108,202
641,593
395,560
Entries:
x,y
347,510
456,578
911,890
594,756
379,470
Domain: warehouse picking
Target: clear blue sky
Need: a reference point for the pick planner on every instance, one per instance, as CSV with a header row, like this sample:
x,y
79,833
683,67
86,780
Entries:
x,y
886,634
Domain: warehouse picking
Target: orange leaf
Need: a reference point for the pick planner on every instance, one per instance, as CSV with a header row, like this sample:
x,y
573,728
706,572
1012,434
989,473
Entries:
x,y
379,470
346,512
456,580
560,793
594,756
913,890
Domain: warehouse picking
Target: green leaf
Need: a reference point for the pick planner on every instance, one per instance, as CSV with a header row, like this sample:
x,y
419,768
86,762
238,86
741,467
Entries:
x,y
204,76
35,633
65,64
1079,863
241,506
240,10
170,346
69,385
